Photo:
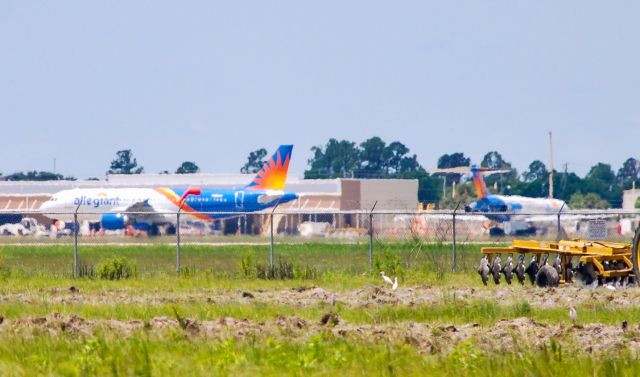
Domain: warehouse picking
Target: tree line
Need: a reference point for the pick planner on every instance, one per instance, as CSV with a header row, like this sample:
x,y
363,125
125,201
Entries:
x,y
124,163
601,187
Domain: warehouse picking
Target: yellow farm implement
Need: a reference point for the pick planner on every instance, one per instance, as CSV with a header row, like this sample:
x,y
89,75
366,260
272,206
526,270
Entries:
x,y
611,263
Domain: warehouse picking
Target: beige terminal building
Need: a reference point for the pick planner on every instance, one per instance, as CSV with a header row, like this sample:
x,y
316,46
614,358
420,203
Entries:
x,y
321,200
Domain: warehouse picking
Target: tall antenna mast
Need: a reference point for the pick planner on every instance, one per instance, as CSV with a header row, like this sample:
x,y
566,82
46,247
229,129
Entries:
x,y
550,166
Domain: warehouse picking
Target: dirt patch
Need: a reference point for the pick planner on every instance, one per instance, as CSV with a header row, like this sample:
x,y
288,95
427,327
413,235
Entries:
x,y
367,296
503,336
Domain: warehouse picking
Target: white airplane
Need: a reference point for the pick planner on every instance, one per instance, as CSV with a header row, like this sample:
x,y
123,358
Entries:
x,y
517,212
500,208
146,208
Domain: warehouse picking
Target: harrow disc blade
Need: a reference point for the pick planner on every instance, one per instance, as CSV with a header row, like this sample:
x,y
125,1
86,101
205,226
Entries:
x,y
586,275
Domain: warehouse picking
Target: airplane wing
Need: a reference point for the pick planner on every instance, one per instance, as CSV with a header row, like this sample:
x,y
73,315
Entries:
x,y
270,196
497,171
456,170
467,170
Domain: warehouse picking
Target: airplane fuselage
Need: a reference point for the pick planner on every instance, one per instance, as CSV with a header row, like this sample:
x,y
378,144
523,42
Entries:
x,y
492,206
91,204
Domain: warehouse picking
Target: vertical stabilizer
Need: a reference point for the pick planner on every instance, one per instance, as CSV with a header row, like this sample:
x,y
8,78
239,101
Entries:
x,y
273,174
478,183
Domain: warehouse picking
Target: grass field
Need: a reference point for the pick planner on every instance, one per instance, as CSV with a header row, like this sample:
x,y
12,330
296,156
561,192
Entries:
x,y
332,316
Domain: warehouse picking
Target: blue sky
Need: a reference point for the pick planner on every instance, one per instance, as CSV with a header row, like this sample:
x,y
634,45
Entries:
x,y
211,81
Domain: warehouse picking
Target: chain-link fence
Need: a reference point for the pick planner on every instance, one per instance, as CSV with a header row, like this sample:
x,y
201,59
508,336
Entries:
x,y
311,241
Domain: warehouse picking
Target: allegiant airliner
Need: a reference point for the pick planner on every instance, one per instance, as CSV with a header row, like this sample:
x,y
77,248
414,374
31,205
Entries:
x,y
157,206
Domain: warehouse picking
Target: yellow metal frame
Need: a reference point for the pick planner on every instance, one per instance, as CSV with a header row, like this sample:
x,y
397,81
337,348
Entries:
x,y
594,252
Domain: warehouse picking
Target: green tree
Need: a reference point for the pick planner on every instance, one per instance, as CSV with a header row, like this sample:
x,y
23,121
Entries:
x,y
393,156
534,182
465,194
255,161
188,167
125,163
503,181
566,184
602,181
587,201
494,160
637,204
372,158
537,171
628,173
398,162
601,172
36,176
453,160
338,159
429,186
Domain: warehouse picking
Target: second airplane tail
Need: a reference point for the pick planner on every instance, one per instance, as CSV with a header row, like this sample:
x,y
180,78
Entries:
x,y
273,174
478,183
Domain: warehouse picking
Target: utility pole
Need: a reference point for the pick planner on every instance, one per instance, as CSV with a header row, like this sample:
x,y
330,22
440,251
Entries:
x,y
550,166
444,186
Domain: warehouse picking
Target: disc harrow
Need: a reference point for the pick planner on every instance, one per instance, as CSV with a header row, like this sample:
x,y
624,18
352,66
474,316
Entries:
x,y
598,262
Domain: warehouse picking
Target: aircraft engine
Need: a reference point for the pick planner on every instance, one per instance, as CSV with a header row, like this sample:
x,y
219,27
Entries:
x,y
114,221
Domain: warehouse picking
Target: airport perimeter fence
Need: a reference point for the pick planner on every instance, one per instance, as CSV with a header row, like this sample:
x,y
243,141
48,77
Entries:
x,y
312,242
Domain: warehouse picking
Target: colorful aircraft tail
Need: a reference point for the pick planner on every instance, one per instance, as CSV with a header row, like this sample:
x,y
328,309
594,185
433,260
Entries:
x,y
478,183
273,174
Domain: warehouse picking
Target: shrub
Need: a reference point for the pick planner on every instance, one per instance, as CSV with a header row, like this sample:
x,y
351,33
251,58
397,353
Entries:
x,y
186,272
390,262
248,266
281,270
306,273
115,268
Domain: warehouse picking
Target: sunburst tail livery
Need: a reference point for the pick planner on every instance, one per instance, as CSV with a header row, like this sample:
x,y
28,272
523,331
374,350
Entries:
x,y
273,174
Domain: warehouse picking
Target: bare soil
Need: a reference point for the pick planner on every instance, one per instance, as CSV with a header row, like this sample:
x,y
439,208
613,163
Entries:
x,y
368,296
504,335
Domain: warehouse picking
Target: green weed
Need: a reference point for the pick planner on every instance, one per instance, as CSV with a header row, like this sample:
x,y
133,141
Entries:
x,y
115,268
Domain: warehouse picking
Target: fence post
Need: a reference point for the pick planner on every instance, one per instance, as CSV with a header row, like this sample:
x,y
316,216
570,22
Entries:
x,y
75,242
371,236
271,249
559,231
454,256
178,240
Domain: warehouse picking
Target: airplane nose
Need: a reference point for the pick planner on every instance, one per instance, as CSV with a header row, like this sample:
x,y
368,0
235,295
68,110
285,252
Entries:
x,y
45,206
48,206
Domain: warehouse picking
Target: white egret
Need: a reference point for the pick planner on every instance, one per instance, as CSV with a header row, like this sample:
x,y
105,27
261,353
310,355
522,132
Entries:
x,y
386,278
573,314
395,283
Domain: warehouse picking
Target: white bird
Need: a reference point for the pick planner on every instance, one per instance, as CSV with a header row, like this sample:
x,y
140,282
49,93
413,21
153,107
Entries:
x,y
395,283
386,278
573,314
